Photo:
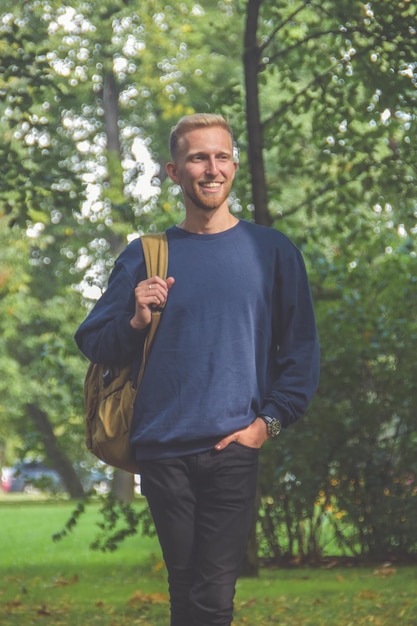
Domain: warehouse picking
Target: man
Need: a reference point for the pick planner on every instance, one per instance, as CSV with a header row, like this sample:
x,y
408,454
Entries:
x,y
235,358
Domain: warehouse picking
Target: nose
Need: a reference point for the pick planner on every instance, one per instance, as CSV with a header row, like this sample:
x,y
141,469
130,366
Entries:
x,y
212,167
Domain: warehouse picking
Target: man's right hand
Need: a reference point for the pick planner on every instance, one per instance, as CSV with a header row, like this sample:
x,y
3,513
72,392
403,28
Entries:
x,y
149,293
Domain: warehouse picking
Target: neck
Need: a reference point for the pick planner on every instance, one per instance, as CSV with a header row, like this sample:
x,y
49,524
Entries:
x,y
208,222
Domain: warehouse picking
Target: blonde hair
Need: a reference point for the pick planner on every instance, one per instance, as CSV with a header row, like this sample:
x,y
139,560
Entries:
x,y
192,122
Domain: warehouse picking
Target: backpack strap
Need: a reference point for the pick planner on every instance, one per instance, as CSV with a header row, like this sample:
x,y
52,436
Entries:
x,y
155,251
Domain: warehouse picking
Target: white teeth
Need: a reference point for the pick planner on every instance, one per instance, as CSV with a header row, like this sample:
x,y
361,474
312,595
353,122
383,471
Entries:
x,y
211,185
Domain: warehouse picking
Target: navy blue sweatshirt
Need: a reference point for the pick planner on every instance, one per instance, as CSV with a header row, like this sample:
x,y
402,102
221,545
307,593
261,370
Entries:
x,y
237,338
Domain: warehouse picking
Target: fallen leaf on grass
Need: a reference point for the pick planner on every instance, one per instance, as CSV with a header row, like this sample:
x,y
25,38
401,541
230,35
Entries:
x,y
43,611
385,571
62,582
367,594
148,598
15,578
13,604
159,565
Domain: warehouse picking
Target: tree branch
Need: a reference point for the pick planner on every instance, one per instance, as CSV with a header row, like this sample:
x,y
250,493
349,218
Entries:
x,y
316,79
282,24
308,38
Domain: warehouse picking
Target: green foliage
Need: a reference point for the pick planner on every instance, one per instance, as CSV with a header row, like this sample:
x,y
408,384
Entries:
x,y
66,584
54,66
351,463
119,520
337,95
39,363
337,105
373,474
337,91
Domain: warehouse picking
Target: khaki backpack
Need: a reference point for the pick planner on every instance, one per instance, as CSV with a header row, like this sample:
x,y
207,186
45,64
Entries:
x,y
109,393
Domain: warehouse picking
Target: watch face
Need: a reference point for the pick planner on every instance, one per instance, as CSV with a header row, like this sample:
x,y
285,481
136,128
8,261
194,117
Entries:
x,y
274,428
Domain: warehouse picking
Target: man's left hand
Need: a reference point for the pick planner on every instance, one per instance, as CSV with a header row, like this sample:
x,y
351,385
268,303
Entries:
x,y
254,436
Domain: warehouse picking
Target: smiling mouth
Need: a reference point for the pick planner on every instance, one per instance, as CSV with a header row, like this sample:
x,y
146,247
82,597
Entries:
x,y
211,186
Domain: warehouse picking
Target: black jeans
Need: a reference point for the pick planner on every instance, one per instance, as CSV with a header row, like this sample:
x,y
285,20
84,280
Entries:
x,y
202,506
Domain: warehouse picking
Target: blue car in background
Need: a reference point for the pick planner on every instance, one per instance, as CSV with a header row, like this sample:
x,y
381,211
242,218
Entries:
x,y
34,477
30,477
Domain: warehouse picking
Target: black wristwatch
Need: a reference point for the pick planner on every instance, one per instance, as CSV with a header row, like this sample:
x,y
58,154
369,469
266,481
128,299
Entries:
x,y
273,426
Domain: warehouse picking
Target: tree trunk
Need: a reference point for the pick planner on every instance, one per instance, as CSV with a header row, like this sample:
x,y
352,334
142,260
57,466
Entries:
x,y
111,114
114,190
56,456
123,485
251,58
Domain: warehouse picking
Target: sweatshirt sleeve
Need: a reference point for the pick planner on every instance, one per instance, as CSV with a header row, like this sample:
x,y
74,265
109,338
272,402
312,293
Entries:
x,y
297,360
106,335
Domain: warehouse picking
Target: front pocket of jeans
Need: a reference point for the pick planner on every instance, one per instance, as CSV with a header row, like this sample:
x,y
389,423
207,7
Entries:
x,y
242,446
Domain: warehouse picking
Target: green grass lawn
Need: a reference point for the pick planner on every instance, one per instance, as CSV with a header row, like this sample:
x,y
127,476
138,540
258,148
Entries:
x,y
65,583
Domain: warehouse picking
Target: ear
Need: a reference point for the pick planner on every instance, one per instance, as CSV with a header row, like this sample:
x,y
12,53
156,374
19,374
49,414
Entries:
x,y
171,170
